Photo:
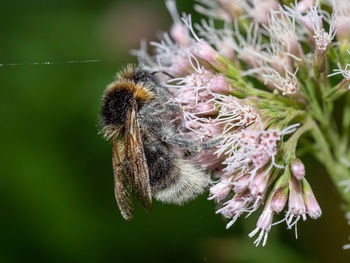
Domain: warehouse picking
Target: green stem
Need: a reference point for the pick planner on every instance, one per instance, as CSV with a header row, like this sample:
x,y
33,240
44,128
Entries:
x,y
291,145
337,171
270,96
337,91
315,107
346,124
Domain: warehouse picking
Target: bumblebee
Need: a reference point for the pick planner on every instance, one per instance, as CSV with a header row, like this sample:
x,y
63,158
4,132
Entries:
x,y
136,117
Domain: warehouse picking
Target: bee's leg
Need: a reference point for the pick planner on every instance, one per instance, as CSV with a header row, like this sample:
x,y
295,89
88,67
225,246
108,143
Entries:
x,y
213,142
192,146
172,107
182,142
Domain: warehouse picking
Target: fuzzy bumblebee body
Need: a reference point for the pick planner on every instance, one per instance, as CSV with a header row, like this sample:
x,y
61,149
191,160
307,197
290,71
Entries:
x,y
136,117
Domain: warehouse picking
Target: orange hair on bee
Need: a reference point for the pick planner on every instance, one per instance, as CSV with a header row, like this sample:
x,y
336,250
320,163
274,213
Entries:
x,y
126,73
140,92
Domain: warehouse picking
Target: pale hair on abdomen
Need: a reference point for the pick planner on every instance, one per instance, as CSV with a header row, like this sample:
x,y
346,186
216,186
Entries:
x,y
191,182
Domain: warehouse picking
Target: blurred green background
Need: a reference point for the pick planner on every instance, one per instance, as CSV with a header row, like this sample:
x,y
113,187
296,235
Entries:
x,y
56,185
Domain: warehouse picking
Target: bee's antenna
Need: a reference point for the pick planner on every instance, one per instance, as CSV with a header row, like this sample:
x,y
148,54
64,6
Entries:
x,y
164,72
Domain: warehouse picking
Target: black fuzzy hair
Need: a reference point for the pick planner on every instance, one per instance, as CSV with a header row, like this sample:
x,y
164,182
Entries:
x,y
115,106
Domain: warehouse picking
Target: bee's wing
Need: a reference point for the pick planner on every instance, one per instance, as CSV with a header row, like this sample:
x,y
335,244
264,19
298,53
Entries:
x,y
122,186
136,159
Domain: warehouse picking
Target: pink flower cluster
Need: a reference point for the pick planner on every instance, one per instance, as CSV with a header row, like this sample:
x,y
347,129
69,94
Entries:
x,y
249,163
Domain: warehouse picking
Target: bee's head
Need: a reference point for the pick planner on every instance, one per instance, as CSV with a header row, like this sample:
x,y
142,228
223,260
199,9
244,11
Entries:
x,y
119,97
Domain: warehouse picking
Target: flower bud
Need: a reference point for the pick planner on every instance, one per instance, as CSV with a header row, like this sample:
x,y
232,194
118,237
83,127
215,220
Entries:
x,y
187,96
262,10
205,108
241,185
294,47
209,161
180,66
220,191
281,63
265,219
212,129
298,169
233,8
343,27
205,128
204,51
219,84
263,225
233,208
296,204
252,56
226,48
279,199
311,22
259,184
304,5
342,22
179,33
312,207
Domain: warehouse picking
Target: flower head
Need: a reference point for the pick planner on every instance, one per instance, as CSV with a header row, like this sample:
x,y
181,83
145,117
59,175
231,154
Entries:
x,y
281,27
263,225
312,207
179,32
222,39
259,10
296,203
342,19
244,85
219,191
344,72
321,37
220,9
288,83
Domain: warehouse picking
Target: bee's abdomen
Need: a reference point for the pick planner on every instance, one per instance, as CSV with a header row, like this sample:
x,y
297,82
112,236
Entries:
x,y
160,162
115,105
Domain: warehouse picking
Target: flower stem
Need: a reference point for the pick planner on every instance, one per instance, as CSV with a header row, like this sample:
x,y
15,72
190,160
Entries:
x,y
291,144
337,171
